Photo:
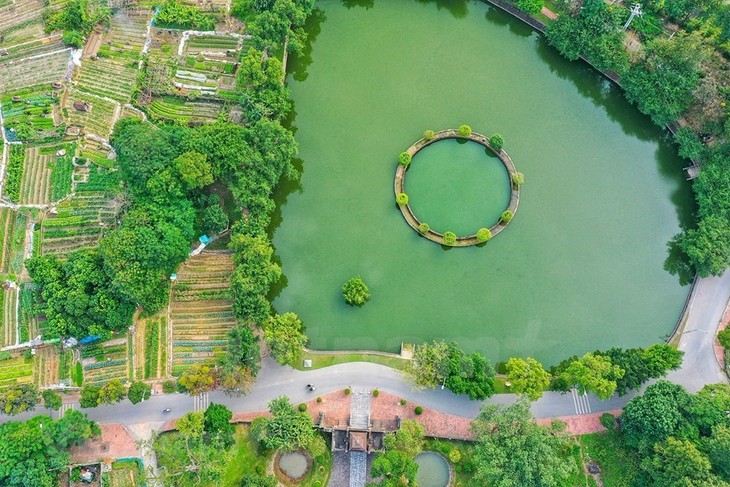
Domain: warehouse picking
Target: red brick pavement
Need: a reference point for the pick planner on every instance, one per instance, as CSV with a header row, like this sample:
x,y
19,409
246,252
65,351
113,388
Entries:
x,y
115,442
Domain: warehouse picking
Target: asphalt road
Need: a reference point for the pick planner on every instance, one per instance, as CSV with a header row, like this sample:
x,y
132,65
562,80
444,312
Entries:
x,y
700,367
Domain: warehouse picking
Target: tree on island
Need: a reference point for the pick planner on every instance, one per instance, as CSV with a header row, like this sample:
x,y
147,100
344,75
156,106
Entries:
x,y
404,159
507,216
449,238
401,199
497,142
355,292
484,234
464,130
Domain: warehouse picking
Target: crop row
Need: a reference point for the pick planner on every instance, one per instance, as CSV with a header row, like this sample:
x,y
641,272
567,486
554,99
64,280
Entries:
x,y
61,175
107,363
35,183
43,70
14,171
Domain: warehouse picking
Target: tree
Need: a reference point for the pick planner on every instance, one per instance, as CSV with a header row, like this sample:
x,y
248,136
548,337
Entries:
x,y
242,358
530,6
355,292
527,377
497,141
656,415
213,218
259,481
401,199
174,14
429,134
284,335
217,422
449,238
718,450
506,216
34,452
512,450
52,399
661,358
197,379
287,429
484,235
112,392
89,396
708,247
518,178
194,169
464,130
424,228
724,338
404,159
255,273
19,398
676,462
470,374
430,365
594,373
408,439
138,392
396,467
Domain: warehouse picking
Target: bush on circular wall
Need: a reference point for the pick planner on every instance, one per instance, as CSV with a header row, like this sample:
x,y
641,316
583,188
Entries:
x,y
464,130
429,134
507,216
402,199
449,238
404,159
423,228
496,141
518,178
484,234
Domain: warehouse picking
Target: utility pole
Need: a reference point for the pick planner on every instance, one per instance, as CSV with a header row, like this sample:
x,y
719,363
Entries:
x,y
635,10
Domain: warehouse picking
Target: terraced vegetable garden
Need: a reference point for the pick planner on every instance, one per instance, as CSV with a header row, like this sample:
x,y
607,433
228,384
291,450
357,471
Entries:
x,y
15,370
7,222
21,21
102,363
201,310
78,223
13,240
177,110
33,48
45,69
14,172
35,186
151,348
46,367
97,118
10,316
31,118
212,44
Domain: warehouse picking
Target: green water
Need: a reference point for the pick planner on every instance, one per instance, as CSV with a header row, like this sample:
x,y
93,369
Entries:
x,y
581,266
456,186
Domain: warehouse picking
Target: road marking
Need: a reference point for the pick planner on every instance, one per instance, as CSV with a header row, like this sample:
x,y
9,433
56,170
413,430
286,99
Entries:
x,y
201,402
65,407
580,402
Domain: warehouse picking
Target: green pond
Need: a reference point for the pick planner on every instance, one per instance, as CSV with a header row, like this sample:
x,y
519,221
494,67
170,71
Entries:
x,y
581,266
457,186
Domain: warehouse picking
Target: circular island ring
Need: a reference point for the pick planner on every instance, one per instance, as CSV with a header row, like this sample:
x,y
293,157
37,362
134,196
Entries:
x,y
447,238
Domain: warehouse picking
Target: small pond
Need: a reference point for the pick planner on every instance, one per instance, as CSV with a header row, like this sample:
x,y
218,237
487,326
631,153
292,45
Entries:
x,y
433,471
293,465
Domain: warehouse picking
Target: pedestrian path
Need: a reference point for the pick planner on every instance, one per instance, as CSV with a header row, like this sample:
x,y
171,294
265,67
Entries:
x,y
580,401
201,402
360,419
65,407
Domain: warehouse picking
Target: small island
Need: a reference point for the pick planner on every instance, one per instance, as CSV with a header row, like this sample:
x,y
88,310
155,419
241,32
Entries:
x,y
494,144
355,292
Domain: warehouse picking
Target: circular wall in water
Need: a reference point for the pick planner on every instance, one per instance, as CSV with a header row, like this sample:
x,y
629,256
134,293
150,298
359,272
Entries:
x,y
294,465
433,470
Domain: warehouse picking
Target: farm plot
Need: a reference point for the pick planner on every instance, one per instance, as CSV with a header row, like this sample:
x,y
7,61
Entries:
x,y
205,76
47,68
102,363
33,48
46,368
30,117
212,44
78,223
15,370
201,310
14,172
175,109
10,316
97,150
21,21
35,186
151,347
123,474
13,241
95,115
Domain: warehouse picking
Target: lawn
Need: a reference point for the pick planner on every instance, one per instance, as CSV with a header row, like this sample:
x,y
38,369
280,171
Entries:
x,y
619,465
320,359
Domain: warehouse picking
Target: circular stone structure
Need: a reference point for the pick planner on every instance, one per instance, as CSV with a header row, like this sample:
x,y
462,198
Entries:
x,y
293,465
432,235
433,470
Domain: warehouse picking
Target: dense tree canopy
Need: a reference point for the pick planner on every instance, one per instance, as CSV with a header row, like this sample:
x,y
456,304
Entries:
x,y
284,335
527,377
34,452
287,429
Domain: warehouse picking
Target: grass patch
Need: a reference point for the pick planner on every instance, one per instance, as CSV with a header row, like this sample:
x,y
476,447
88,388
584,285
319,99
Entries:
x,y
320,360
619,464
77,374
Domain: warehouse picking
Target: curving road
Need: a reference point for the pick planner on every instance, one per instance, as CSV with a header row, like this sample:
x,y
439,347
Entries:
x,y
700,367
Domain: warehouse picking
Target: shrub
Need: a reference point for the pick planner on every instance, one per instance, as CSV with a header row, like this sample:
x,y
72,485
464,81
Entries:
x,y
429,134
402,199
260,469
449,238
454,455
530,6
418,410
403,402
507,216
347,391
169,386
724,338
608,420
302,407
319,400
497,142
464,130
484,234
518,178
376,393
355,292
404,159
424,228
